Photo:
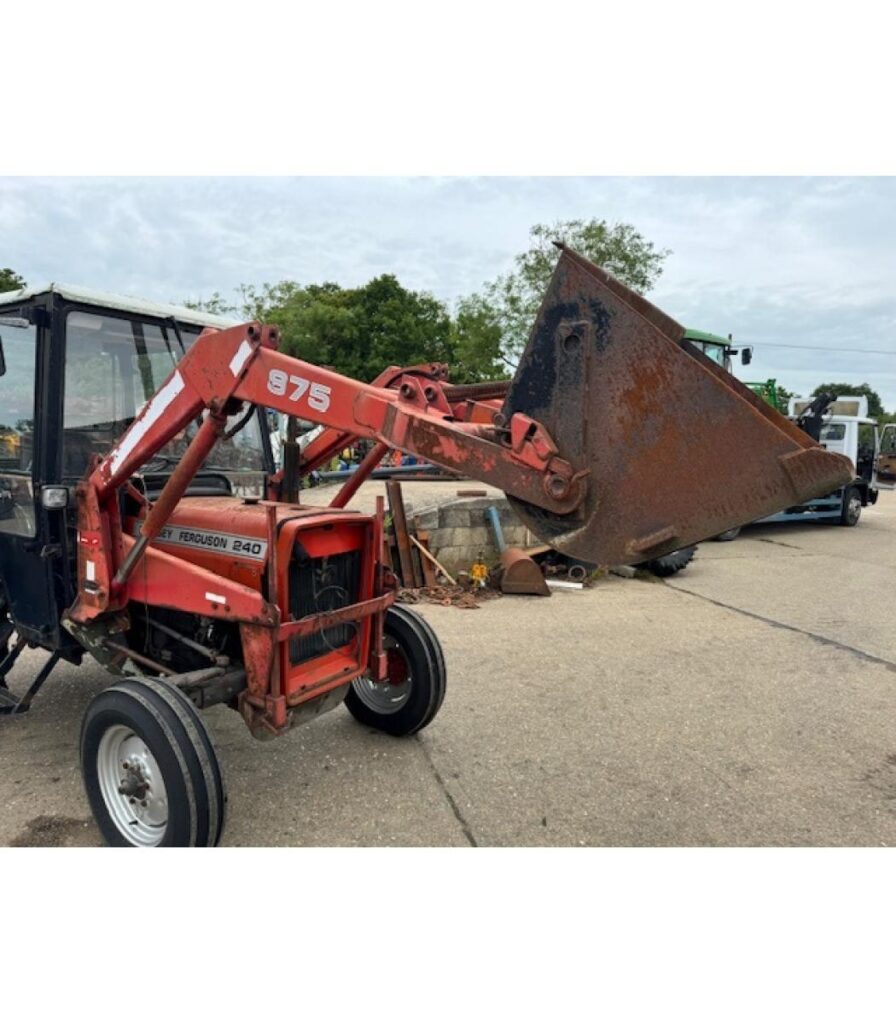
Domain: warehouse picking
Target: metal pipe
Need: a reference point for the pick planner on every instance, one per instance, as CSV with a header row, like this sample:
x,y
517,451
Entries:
x,y
141,659
196,453
212,656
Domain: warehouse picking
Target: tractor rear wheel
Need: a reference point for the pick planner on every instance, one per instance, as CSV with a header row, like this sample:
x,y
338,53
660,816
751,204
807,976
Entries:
x,y
851,509
728,534
151,774
668,565
408,700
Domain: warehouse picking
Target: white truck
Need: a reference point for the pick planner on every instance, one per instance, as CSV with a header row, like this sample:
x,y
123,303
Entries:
x,y
842,425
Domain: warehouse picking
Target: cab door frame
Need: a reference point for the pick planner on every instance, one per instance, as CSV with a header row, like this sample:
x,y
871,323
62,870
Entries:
x,y
35,571
888,459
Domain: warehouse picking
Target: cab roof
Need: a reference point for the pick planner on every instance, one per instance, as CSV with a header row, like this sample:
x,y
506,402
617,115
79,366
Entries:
x,y
126,303
716,339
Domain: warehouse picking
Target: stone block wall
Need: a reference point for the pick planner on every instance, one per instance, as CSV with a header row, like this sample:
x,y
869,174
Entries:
x,y
459,531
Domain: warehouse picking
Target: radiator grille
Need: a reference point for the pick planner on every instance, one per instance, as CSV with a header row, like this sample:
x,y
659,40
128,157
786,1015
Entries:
x,y
322,585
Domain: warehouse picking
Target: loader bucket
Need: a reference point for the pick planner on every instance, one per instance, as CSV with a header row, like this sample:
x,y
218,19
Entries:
x,y
674,448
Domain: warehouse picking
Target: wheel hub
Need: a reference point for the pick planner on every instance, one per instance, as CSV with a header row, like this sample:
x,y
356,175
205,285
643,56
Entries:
x,y
392,693
132,786
134,782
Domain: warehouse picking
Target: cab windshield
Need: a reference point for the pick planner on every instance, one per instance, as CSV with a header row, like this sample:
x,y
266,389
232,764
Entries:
x,y
714,352
113,366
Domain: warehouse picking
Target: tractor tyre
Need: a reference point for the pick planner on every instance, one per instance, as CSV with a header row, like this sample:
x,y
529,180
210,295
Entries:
x,y
851,509
668,565
409,699
728,534
150,770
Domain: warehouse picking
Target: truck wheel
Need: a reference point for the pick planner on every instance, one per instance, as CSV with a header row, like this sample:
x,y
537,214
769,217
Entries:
x,y
409,699
151,774
728,534
851,509
668,565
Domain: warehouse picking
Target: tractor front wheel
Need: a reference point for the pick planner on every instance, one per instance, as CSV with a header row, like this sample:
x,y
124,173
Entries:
x,y
151,774
409,698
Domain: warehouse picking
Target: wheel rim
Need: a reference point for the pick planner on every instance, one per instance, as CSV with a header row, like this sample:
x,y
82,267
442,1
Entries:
x,y
132,787
854,508
391,695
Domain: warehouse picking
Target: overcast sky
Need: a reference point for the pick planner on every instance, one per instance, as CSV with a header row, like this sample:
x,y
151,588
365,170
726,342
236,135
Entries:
x,y
774,261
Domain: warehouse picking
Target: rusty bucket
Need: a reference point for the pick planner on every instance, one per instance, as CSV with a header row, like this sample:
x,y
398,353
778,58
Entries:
x,y
673,448
519,573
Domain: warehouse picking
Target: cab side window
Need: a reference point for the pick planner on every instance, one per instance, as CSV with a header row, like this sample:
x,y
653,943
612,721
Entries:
x,y
17,388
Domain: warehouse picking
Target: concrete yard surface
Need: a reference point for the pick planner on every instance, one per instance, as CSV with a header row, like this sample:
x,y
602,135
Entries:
x,y
751,700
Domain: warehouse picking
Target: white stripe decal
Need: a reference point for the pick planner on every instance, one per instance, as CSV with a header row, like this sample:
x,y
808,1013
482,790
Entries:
x,y
215,598
157,405
239,359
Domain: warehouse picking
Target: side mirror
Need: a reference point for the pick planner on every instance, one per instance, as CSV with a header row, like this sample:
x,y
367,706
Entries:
x,y
746,356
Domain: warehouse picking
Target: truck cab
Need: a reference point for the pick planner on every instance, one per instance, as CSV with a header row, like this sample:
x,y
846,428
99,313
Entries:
x,y
847,430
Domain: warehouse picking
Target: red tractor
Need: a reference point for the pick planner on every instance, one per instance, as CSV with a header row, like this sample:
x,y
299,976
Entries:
x,y
142,522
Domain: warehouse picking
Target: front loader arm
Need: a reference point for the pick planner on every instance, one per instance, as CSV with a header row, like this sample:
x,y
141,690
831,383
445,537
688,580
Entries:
x,y
227,368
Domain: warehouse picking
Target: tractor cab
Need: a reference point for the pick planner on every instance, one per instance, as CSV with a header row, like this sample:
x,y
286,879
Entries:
x,y
78,366
718,349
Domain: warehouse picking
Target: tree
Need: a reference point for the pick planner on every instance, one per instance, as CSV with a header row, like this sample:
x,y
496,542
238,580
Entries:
x,y
357,331
476,342
10,281
875,406
514,298
215,303
784,395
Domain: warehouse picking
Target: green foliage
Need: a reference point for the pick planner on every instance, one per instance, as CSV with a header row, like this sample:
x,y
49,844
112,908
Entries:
x,y
10,281
875,406
476,342
357,331
784,396
619,248
400,327
215,303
